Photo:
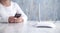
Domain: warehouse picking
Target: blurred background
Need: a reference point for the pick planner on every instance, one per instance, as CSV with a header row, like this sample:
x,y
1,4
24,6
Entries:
x,y
40,10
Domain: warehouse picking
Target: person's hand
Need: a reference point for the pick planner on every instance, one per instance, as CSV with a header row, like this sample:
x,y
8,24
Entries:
x,y
11,19
19,20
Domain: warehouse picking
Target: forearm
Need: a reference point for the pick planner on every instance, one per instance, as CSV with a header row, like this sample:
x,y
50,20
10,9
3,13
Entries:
x,y
25,18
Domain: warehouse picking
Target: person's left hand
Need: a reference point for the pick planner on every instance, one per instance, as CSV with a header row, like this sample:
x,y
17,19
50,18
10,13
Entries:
x,y
19,20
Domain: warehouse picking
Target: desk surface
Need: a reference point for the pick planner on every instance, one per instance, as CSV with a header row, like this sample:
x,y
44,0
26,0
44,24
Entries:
x,y
27,28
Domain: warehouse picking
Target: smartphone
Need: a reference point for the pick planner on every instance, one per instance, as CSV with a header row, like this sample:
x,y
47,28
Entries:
x,y
17,15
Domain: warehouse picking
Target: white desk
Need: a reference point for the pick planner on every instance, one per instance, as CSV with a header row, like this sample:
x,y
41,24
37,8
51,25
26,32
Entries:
x,y
28,28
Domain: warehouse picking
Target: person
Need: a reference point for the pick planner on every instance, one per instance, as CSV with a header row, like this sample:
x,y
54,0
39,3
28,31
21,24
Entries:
x,y
8,9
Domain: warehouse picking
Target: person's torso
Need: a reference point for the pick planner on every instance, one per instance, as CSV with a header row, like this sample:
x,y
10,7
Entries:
x,y
7,11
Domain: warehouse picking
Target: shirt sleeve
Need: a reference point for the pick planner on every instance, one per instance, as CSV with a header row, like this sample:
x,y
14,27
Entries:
x,y
19,11
3,19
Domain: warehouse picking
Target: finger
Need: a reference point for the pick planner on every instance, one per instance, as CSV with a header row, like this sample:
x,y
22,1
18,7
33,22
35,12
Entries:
x,y
15,18
11,22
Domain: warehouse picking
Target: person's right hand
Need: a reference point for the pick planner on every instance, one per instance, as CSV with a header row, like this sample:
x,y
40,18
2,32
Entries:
x,y
11,19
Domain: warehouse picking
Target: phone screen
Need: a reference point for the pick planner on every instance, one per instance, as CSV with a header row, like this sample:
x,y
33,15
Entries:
x,y
17,15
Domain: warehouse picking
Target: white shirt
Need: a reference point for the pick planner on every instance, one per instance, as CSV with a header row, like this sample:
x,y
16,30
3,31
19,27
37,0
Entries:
x,y
11,10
